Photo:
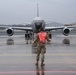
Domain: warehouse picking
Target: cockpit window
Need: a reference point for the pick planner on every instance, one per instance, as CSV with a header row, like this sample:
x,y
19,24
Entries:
x,y
38,25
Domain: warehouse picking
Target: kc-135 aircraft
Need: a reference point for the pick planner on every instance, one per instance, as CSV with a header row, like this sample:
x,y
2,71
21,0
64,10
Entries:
x,y
36,24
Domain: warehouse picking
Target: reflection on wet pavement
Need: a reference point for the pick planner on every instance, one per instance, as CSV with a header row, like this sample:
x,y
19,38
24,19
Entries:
x,y
10,41
18,58
40,70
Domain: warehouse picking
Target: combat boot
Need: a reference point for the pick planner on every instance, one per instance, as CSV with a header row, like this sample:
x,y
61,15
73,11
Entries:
x,y
42,63
36,64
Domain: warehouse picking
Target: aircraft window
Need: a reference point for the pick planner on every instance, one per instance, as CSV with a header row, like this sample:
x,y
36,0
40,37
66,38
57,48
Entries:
x,y
38,23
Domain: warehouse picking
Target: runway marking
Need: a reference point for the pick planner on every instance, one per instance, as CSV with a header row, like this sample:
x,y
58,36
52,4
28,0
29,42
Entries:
x,y
35,54
36,71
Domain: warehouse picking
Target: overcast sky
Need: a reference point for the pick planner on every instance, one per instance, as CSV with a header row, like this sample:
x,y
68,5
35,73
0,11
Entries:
x,y
24,11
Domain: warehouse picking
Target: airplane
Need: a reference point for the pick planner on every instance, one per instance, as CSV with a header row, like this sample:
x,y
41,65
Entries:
x,y
36,24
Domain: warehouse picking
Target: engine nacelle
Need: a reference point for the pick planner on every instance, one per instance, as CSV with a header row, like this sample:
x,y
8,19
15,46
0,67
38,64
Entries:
x,y
66,31
9,31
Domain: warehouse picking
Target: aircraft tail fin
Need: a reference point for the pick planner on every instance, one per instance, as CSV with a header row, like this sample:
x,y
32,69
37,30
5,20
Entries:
x,y
37,10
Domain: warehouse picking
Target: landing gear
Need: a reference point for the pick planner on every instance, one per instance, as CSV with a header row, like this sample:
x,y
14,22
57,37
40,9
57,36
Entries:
x,y
28,36
32,35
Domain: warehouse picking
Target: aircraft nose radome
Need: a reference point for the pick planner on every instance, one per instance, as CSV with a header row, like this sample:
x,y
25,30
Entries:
x,y
38,26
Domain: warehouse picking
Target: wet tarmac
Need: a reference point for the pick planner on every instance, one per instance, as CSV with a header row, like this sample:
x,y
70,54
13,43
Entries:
x,y
18,58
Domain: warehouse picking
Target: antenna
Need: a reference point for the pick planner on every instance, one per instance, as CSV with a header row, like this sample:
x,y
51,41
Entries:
x,y
37,10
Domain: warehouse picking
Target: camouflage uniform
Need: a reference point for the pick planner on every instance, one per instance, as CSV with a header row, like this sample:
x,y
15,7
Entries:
x,y
41,48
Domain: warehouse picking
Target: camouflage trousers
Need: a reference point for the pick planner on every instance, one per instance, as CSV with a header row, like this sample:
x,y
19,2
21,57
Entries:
x,y
42,51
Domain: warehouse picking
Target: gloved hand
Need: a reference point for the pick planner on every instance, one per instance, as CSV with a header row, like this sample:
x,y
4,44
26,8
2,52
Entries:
x,y
49,39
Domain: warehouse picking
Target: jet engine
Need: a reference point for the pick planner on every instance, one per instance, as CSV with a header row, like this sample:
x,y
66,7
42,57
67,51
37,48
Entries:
x,y
66,31
9,31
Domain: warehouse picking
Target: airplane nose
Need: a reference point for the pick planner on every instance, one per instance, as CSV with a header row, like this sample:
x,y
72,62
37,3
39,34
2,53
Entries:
x,y
38,26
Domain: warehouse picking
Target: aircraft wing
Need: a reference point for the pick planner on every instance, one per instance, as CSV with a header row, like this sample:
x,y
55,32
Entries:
x,y
23,28
17,28
56,28
52,28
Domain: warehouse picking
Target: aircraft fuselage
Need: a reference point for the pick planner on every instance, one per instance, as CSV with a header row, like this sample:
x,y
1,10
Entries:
x,y
37,23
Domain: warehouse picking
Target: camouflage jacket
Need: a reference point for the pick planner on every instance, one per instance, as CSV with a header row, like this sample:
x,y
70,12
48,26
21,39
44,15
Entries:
x,y
37,41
